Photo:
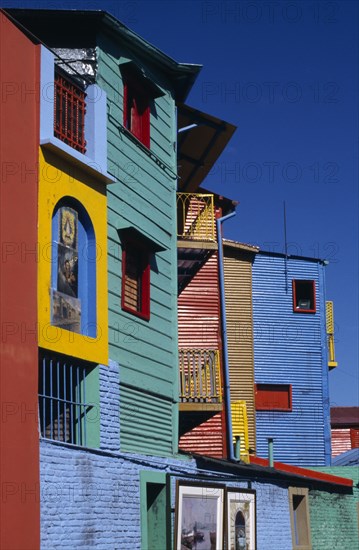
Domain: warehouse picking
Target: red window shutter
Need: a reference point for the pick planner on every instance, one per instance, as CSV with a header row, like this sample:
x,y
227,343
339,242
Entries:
x,y
273,397
354,437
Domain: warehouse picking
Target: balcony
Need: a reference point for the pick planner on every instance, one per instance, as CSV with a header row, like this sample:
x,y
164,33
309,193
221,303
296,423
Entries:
x,y
196,234
200,380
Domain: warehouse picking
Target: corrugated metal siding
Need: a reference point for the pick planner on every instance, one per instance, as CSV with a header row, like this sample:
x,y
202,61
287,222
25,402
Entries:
x,y
354,437
240,427
143,197
199,327
206,439
198,309
340,441
238,291
290,349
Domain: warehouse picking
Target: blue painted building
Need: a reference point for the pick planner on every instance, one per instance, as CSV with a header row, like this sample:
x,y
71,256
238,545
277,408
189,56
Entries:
x,y
291,358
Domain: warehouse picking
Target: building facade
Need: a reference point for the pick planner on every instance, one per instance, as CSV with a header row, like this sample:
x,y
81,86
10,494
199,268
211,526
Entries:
x,y
92,388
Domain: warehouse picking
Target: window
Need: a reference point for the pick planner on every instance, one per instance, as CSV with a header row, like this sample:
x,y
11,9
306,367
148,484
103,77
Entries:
x,y
299,518
73,278
64,412
70,108
273,397
136,112
136,279
303,296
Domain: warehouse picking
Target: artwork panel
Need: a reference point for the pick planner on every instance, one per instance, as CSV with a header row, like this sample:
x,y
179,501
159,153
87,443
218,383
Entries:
x,y
68,226
199,518
65,312
67,271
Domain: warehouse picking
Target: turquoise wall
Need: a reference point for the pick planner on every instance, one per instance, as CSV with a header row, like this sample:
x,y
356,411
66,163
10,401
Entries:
x,y
333,516
143,197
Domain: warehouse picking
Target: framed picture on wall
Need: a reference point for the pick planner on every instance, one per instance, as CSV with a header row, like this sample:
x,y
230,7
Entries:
x,y
199,517
241,519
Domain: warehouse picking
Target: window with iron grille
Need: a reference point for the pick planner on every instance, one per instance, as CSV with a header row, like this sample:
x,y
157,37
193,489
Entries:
x,y
70,109
136,279
63,409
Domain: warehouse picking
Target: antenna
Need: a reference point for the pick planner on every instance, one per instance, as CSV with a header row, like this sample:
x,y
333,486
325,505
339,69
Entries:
x,y
285,247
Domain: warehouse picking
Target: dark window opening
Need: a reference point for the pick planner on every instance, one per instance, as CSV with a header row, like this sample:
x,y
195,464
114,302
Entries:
x,y
136,112
304,296
70,109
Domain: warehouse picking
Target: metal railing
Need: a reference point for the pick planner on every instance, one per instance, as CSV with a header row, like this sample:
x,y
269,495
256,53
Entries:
x,y
200,380
195,216
69,116
62,399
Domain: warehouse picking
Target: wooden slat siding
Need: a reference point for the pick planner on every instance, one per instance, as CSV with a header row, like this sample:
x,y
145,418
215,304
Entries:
x,y
340,440
143,197
238,291
160,118
199,328
205,439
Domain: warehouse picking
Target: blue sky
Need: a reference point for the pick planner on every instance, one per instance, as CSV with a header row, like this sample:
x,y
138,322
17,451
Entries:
x,y
285,73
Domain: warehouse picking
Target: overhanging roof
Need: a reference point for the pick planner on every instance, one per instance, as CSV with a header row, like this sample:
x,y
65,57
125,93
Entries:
x,y
80,28
285,473
344,416
199,147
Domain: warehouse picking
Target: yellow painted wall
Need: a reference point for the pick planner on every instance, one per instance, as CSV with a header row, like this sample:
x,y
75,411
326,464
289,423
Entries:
x,y
57,179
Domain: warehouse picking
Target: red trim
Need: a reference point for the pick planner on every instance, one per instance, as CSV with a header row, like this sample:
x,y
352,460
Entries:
x,y
273,389
298,309
304,472
144,312
136,111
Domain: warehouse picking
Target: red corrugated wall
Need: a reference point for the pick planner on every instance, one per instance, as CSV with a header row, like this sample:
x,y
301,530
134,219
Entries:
x,y
340,440
19,142
354,437
199,327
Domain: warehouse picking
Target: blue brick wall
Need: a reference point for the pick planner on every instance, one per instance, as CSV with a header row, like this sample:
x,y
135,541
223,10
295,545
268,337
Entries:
x,y
91,497
273,519
110,406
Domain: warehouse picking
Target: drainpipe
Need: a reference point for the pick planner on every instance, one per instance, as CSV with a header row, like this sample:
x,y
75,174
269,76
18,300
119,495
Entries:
x,y
227,396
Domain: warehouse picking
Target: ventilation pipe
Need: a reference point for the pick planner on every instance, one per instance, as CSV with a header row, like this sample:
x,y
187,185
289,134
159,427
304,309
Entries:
x,y
227,397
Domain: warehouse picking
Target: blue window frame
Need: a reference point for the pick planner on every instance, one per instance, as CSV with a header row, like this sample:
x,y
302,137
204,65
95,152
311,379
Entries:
x,y
73,275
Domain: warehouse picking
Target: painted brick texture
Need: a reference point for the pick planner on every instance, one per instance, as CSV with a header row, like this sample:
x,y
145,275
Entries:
x,y
334,517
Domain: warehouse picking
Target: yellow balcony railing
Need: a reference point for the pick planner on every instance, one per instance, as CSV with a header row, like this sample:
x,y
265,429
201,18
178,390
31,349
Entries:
x,y
330,335
200,380
195,217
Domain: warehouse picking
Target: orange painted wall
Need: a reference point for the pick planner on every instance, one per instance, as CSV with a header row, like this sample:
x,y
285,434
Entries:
x,y
19,141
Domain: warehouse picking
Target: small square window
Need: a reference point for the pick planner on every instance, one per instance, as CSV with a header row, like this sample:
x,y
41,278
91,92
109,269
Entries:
x,y
304,296
274,397
136,279
136,112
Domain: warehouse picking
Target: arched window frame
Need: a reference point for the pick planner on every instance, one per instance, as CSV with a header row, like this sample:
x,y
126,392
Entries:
x,y
86,254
